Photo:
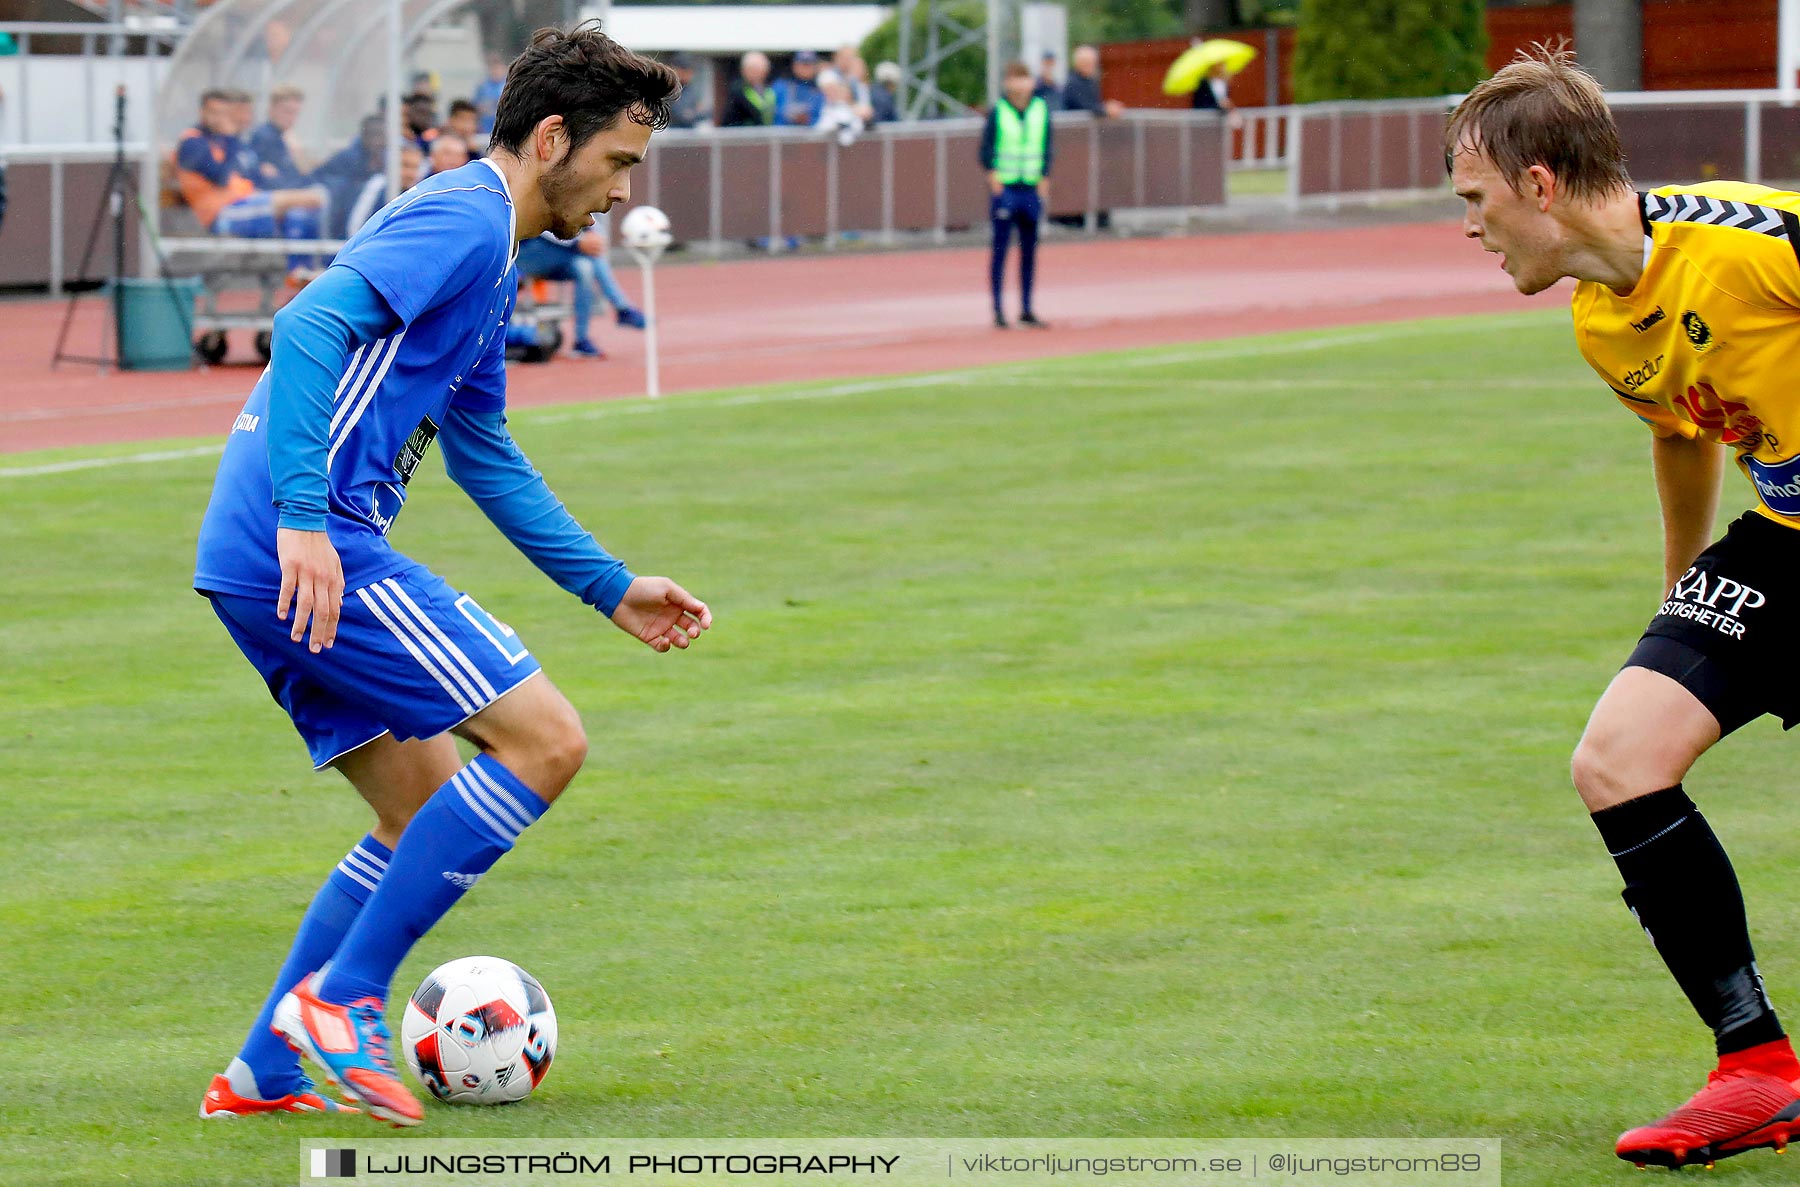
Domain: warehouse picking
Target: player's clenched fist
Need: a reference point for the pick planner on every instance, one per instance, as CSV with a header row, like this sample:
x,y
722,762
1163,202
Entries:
x,y
312,579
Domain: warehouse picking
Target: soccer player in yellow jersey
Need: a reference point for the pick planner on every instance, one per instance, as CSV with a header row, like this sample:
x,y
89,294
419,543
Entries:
x,y
1688,306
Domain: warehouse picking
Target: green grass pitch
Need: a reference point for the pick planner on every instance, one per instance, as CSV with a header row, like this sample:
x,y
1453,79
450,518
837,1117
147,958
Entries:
x,y
1161,744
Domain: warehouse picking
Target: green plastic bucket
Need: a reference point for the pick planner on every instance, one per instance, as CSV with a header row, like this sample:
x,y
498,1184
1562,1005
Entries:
x,y
155,320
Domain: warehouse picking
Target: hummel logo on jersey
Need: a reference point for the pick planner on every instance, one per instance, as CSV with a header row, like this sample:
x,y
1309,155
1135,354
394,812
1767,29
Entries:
x,y
463,880
1641,326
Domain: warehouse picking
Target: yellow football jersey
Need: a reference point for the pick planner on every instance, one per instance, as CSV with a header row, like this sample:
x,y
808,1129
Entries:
x,y
1707,345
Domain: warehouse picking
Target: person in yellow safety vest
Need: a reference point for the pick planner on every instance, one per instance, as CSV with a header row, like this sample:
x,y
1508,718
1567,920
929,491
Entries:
x,y
752,102
1016,149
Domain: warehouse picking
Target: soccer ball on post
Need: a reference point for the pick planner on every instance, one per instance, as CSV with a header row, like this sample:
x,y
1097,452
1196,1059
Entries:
x,y
645,229
479,1031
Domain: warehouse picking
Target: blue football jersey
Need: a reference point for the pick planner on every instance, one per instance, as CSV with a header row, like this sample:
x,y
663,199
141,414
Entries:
x,y
442,256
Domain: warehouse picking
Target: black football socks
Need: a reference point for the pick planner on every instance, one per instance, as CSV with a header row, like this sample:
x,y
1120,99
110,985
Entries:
x,y
1680,886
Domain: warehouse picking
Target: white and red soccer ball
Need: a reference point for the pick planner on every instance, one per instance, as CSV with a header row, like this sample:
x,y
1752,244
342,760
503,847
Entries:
x,y
479,1031
646,229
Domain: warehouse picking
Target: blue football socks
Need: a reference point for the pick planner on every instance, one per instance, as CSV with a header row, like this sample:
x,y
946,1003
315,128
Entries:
x,y
462,830
266,1057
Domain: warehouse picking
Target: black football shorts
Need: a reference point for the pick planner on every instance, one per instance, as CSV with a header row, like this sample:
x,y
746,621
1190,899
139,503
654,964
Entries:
x,y
1727,631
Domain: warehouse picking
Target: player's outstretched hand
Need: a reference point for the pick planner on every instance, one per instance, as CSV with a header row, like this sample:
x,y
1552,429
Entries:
x,y
312,578
661,614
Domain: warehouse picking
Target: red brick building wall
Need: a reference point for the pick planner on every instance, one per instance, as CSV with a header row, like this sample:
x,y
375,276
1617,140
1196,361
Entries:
x,y
1688,45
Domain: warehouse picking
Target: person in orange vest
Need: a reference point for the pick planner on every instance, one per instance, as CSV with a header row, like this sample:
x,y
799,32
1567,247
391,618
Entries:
x,y
225,200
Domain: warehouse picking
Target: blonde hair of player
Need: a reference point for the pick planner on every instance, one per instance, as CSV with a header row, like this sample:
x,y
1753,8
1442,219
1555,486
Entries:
x,y
1534,154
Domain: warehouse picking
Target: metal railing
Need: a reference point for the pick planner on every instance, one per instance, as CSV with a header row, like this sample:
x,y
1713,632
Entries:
x,y
1263,138
1364,152
1695,135
26,256
71,94
774,185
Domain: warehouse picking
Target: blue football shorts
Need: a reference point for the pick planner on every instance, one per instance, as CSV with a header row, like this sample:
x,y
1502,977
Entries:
x,y
250,217
413,658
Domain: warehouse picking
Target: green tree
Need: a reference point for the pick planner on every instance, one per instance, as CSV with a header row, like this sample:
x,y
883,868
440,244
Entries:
x,y
963,75
1125,20
1388,49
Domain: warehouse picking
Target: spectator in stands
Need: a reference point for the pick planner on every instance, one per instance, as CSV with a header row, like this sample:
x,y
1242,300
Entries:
x,y
464,123
752,102
420,113
448,152
837,113
278,155
374,193
1047,88
1016,150
345,173
848,62
691,106
424,83
583,261
243,118
1213,93
884,96
862,95
487,95
798,98
226,201
1082,91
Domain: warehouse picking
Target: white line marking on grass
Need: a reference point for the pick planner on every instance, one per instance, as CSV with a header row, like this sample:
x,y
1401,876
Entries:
x,y
103,463
1227,348
751,399
1001,374
235,400
1210,384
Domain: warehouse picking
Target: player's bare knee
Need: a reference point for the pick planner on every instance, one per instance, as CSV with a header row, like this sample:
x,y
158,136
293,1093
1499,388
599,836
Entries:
x,y
1595,774
565,746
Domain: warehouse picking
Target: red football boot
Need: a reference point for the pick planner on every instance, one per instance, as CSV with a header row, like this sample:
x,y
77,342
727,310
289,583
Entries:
x,y
352,1045
1751,1101
222,1100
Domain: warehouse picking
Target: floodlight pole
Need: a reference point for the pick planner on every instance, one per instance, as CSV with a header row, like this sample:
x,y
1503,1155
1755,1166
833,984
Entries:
x,y
996,10
1788,55
396,119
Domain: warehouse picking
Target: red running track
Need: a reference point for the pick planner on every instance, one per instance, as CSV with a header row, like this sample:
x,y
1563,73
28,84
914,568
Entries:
x,y
783,320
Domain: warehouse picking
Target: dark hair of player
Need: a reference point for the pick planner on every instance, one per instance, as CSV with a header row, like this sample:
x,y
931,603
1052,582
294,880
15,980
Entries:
x,y
587,78
1543,109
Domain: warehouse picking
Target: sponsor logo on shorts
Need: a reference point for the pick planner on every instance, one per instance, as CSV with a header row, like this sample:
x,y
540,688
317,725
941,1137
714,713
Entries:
x,y
1641,326
1698,332
1778,483
1712,600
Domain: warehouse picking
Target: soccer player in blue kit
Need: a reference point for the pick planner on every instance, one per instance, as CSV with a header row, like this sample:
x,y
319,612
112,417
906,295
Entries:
x,y
380,662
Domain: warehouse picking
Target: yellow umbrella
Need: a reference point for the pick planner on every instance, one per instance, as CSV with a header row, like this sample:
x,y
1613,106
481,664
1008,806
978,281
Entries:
x,y
1187,71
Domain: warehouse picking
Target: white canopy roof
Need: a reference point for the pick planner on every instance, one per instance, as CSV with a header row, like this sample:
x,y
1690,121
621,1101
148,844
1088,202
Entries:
x,y
734,28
